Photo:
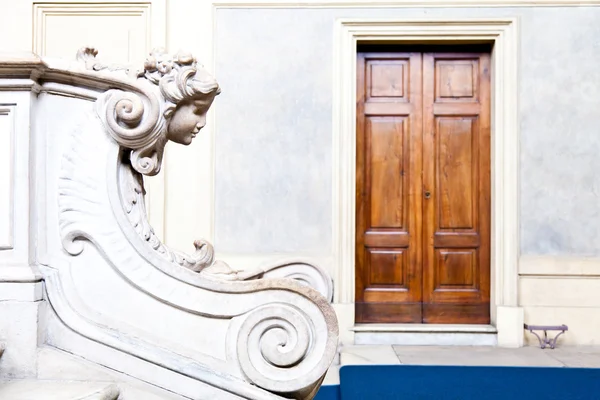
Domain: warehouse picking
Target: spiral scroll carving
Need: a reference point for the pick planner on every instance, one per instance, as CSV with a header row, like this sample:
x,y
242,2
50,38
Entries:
x,y
134,120
126,120
280,348
302,271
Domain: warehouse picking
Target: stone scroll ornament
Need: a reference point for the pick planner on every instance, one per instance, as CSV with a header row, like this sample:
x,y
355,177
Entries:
x,y
281,337
168,100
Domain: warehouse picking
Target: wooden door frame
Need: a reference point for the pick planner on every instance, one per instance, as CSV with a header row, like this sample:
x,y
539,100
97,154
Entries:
x,y
506,316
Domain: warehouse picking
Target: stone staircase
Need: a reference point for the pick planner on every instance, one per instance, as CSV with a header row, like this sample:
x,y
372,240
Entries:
x,y
57,390
30,389
63,376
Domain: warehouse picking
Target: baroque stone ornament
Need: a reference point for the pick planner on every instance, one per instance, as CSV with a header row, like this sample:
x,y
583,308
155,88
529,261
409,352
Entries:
x,y
266,332
170,100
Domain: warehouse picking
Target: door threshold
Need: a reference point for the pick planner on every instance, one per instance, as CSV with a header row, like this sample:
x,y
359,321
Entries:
x,y
425,328
425,334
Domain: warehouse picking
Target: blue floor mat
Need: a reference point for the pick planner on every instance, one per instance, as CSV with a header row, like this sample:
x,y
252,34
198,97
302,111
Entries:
x,y
419,382
328,392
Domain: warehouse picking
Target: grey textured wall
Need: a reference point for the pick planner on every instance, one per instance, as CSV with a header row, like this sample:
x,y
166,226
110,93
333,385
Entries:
x,y
273,126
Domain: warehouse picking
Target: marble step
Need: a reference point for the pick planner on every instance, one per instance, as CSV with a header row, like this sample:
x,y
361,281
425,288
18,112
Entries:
x,y
31,389
57,365
425,335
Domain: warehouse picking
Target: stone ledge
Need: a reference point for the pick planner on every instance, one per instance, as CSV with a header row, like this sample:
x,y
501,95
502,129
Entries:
x,y
16,291
427,328
19,274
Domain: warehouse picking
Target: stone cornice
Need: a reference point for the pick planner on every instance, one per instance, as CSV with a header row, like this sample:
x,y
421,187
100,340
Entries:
x,y
28,71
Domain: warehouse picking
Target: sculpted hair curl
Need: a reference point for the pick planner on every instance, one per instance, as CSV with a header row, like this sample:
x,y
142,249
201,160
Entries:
x,y
180,78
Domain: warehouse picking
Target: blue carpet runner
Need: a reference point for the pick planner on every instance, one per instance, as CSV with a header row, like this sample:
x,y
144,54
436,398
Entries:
x,y
420,382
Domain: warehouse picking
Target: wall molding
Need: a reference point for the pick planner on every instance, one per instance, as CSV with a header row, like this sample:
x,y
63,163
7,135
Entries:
x,y
41,13
559,266
15,178
153,12
505,134
401,3
7,155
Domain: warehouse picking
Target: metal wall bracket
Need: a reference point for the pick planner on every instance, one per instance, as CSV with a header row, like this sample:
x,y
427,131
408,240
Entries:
x,y
545,341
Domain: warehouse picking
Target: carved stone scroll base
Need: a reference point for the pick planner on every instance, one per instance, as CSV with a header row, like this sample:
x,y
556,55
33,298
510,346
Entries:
x,y
119,297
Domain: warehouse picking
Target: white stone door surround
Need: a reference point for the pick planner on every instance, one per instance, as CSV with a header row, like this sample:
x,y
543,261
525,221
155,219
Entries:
x,y
506,316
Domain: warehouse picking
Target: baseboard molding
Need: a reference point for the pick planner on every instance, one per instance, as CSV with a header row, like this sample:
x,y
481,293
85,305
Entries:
x,y
560,266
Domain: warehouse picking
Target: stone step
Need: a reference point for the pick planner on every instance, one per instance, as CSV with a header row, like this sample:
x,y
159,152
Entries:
x,y
425,335
26,389
57,365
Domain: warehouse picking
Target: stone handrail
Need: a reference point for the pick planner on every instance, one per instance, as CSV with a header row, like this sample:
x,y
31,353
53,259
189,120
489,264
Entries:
x,y
280,335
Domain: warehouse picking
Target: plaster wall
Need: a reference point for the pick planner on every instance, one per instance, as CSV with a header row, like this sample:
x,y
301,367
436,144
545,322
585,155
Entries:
x,y
273,125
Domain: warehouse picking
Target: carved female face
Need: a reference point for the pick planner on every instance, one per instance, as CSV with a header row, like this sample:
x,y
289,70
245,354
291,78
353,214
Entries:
x,y
187,120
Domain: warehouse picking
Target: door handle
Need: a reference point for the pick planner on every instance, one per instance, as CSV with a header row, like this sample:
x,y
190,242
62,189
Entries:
x,y
427,194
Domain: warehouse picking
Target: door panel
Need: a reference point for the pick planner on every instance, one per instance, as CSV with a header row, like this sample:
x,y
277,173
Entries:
x,y
388,231
456,150
454,162
385,153
423,187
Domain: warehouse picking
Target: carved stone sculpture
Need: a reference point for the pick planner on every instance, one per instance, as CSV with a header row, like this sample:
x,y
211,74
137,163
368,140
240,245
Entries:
x,y
170,100
119,296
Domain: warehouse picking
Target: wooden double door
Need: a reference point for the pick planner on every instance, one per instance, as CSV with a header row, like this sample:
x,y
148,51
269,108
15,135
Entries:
x,y
423,185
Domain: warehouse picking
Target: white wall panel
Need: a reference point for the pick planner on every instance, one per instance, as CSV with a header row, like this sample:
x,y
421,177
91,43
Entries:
x,y
15,155
7,133
123,33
